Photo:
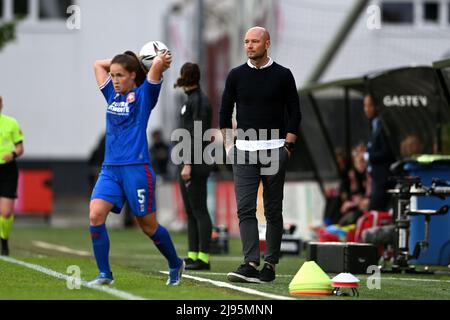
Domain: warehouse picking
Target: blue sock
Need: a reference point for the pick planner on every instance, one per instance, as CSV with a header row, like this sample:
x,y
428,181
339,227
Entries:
x,y
100,243
164,243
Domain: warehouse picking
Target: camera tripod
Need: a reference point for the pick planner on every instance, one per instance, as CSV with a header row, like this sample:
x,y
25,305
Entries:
x,y
406,188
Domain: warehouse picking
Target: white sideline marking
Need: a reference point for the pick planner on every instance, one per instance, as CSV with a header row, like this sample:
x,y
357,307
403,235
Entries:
x,y
414,279
111,291
359,276
46,245
64,249
237,288
50,246
153,256
54,247
224,274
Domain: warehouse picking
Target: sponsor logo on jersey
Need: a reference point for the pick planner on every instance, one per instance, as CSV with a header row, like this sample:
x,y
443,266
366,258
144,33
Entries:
x,y
131,97
119,108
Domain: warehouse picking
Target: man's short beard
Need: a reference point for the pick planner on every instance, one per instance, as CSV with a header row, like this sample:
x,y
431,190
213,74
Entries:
x,y
259,56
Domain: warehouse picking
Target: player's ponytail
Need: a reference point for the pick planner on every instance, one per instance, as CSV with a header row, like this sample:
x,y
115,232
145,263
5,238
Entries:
x,y
130,62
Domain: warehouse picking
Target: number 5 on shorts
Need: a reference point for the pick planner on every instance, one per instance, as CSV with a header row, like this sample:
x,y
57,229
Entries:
x,y
141,199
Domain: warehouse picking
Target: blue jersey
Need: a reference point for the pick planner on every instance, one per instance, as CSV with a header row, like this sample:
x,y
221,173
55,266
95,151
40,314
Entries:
x,y
126,123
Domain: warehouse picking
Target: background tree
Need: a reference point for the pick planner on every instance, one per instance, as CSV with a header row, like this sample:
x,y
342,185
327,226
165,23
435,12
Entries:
x,y
7,33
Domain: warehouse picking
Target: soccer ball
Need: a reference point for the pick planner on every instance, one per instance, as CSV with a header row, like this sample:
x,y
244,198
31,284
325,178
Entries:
x,y
149,51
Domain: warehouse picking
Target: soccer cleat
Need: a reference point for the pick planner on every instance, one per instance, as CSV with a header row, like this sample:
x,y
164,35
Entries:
x,y
102,280
188,261
175,275
267,273
244,273
5,248
198,265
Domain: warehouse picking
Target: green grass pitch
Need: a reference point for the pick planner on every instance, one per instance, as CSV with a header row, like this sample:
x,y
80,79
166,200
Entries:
x,y
137,267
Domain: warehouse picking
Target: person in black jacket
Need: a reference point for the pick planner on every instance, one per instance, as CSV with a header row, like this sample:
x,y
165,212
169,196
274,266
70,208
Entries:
x,y
159,152
268,107
380,157
194,176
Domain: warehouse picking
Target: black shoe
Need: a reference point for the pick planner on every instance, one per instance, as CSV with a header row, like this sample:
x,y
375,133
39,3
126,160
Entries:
x,y
198,265
188,261
5,248
267,273
244,273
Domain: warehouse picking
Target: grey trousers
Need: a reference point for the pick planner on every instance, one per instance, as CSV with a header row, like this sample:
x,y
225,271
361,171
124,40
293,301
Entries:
x,y
247,178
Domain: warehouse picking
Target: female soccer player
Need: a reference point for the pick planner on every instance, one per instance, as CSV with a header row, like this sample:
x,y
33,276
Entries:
x,y
126,173
11,147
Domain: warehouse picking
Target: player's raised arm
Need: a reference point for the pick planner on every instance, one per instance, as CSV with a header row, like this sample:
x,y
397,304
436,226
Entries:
x,y
160,64
101,69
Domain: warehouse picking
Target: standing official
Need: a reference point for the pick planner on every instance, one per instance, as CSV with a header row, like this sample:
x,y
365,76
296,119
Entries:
x,y
11,147
194,176
266,99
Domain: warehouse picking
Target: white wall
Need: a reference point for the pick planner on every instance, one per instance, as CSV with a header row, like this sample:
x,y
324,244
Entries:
x,y
46,75
308,26
391,46
305,29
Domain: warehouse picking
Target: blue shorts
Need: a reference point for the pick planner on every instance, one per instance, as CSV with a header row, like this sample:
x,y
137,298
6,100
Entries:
x,y
133,183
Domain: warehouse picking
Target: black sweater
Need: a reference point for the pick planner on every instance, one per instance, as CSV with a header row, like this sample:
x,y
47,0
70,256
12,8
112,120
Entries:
x,y
265,99
196,108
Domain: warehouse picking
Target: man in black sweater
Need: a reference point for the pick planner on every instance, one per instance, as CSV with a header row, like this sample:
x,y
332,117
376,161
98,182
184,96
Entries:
x,y
268,117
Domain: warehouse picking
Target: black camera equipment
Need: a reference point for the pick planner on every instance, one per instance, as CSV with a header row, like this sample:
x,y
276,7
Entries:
x,y
406,188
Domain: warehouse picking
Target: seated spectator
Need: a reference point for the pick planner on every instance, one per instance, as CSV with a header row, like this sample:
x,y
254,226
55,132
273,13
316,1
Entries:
x,y
354,196
337,197
358,193
411,145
